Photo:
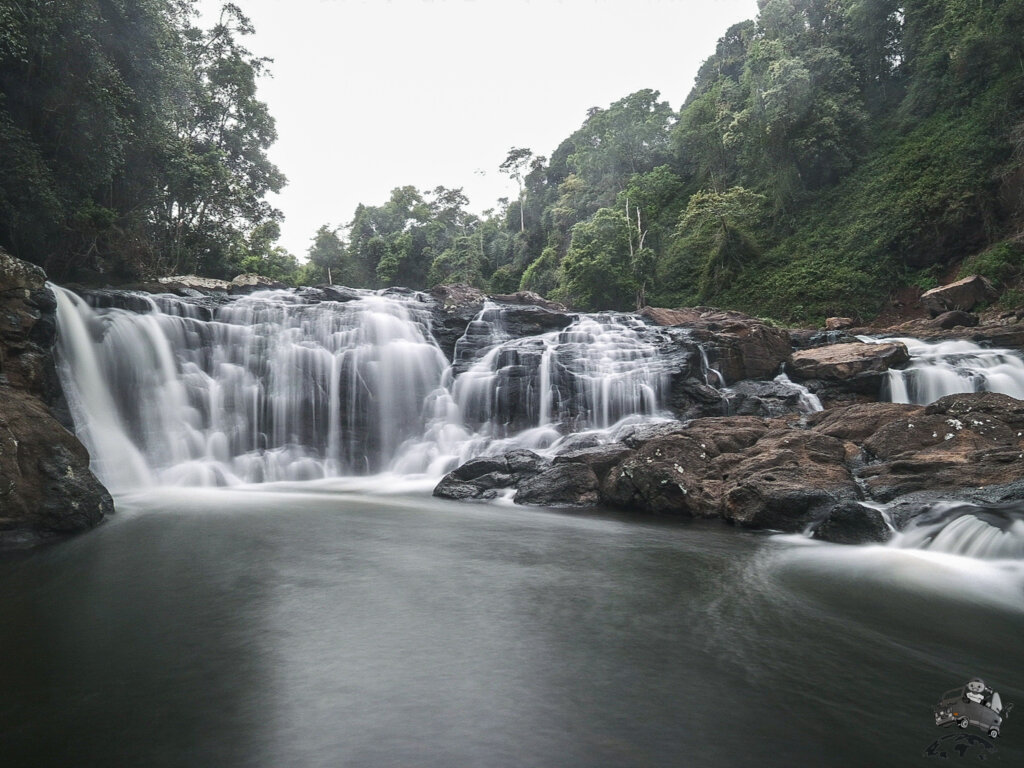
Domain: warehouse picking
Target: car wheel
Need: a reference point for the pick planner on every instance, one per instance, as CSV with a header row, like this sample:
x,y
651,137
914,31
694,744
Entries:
x,y
994,733
962,722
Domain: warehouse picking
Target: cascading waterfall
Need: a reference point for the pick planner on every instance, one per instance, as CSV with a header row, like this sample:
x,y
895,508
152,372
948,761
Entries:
x,y
937,369
275,387
262,388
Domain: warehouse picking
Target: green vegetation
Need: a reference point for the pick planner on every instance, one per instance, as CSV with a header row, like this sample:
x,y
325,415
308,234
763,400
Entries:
x,y
133,142
829,153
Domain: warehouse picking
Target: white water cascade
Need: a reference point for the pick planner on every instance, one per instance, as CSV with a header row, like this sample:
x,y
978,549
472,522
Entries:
x,y
937,369
277,387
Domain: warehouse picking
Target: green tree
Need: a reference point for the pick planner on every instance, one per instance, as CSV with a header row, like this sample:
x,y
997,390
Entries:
x,y
329,256
715,240
597,272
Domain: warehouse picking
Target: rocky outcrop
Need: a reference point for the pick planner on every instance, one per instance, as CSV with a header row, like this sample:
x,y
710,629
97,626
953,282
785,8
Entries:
x,y
838,323
195,283
963,295
788,473
842,362
46,487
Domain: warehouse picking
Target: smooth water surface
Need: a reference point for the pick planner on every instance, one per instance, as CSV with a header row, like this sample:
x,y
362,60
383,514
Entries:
x,y
314,628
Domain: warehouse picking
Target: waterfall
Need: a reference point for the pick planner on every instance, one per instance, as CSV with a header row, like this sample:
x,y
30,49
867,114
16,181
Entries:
x,y
264,388
279,386
937,369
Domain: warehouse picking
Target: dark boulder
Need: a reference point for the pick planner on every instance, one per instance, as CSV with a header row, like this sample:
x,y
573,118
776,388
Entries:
x,y
853,523
480,478
955,318
561,485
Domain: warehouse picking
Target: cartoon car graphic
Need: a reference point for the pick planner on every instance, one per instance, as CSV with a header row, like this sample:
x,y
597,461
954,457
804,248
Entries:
x,y
961,706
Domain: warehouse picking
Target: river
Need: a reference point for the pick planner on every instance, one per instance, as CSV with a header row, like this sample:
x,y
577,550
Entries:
x,y
318,625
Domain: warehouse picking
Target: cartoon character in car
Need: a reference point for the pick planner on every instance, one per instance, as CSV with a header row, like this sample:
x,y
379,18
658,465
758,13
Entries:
x,y
975,704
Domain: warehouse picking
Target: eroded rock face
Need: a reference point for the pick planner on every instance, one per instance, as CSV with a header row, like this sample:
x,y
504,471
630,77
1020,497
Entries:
x,y
46,487
963,295
739,346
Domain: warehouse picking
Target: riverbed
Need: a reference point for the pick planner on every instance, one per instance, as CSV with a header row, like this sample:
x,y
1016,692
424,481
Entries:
x,y
318,626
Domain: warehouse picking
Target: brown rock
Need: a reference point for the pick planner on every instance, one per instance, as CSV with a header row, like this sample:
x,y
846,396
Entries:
x,y
838,323
786,479
840,362
964,294
858,422
959,442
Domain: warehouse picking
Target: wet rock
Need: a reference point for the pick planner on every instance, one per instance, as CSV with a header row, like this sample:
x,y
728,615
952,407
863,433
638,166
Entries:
x,y
853,523
455,306
475,468
963,295
524,462
46,487
809,338
567,484
763,398
479,478
959,442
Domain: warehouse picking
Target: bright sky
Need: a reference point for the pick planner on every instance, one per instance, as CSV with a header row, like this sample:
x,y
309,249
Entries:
x,y
375,94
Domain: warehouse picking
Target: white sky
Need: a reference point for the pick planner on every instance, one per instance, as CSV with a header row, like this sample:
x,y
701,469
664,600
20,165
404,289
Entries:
x,y
372,95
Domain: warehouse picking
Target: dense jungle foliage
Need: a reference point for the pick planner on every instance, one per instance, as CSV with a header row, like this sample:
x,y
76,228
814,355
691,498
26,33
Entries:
x,y
133,143
830,152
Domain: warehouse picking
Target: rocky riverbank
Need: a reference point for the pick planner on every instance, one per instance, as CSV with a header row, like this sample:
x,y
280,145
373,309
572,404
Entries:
x,y
46,487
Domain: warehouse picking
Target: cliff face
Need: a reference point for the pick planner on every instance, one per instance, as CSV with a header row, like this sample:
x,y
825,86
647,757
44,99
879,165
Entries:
x,y
46,487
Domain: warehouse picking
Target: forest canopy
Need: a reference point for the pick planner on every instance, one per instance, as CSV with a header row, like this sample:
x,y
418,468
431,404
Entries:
x,y
829,153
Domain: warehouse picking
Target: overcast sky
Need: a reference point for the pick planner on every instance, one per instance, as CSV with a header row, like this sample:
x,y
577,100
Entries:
x,y
372,95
